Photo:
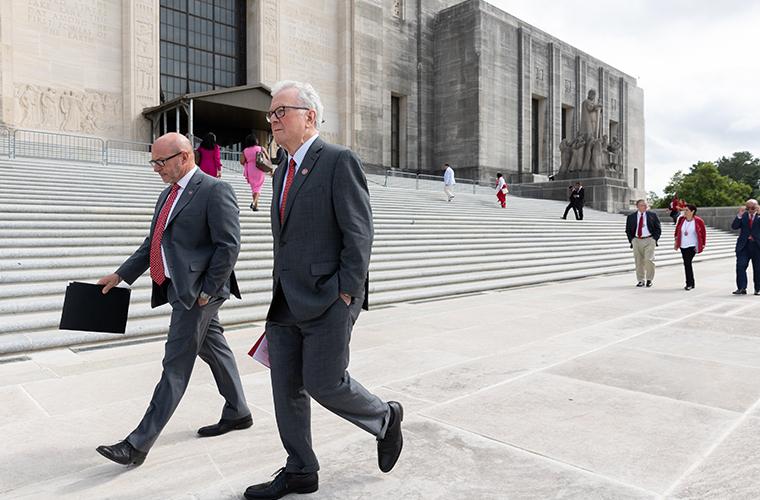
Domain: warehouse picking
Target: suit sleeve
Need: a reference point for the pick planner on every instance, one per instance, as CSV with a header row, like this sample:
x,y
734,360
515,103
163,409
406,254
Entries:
x,y
137,264
656,227
628,230
737,223
354,216
224,227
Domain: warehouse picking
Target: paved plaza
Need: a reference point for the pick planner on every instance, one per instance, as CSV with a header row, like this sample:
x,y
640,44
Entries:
x,y
585,389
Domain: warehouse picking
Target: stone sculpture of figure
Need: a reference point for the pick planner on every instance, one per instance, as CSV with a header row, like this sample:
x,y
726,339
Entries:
x,y
71,107
590,114
28,101
566,154
49,109
598,157
614,150
579,146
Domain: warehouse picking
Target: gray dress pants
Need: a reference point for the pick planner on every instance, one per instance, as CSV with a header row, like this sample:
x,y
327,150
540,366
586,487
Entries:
x,y
310,359
192,333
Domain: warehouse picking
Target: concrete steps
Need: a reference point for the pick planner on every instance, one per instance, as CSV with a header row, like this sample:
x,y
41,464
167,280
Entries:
x,y
77,222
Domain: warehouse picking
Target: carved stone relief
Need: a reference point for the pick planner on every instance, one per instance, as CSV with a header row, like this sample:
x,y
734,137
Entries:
x,y
61,110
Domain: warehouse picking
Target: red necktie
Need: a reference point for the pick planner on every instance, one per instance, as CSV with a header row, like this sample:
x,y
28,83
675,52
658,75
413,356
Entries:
x,y
288,182
751,218
640,231
157,273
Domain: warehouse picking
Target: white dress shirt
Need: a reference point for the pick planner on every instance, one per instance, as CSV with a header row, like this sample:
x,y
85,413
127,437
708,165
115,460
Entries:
x,y
299,155
182,183
688,234
644,230
448,177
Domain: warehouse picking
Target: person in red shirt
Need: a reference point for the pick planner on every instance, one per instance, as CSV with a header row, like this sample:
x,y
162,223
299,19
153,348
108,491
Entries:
x,y
691,237
676,206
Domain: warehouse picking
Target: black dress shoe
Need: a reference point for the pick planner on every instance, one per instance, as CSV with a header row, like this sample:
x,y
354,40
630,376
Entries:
x,y
284,483
688,287
741,291
640,284
122,453
757,292
649,283
389,448
225,426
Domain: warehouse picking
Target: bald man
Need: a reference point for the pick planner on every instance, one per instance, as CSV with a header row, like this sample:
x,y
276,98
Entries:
x,y
191,251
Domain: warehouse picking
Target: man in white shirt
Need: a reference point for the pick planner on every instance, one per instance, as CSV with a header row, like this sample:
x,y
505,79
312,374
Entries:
x,y
448,181
191,251
643,230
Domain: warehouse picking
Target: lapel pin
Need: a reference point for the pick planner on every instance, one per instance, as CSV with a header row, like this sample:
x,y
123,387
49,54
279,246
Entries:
x,y
304,171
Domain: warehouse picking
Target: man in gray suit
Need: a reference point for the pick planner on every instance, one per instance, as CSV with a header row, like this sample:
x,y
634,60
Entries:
x,y
191,251
322,227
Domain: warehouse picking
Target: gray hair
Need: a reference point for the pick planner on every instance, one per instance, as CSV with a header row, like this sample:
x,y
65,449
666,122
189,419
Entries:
x,y
307,96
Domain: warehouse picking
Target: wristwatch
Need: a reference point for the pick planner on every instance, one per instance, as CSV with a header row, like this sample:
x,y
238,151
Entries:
x,y
205,296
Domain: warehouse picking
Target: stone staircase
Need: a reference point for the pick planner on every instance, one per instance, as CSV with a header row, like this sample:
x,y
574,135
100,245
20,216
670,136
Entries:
x,y
62,222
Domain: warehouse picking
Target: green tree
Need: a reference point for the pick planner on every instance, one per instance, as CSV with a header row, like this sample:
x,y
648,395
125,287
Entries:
x,y
704,186
655,201
741,167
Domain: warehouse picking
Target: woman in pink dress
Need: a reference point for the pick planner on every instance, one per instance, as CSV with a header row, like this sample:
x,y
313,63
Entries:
x,y
208,156
252,174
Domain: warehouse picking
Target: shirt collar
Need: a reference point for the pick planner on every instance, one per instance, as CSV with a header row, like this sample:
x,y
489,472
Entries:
x,y
183,182
301,152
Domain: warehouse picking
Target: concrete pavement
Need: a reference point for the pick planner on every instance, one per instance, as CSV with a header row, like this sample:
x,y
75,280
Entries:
x,y
585,389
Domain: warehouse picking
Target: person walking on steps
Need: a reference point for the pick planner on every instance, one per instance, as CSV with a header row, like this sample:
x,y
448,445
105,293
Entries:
x,y
501,190
448,181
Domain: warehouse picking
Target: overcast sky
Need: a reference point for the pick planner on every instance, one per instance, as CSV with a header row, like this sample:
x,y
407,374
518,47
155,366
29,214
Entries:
x,y
697,61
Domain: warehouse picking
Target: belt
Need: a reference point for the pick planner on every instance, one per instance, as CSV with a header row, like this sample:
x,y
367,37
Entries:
x,y
643,237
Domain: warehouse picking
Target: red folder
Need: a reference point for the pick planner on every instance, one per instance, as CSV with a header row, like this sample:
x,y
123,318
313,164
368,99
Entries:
x,y
260,350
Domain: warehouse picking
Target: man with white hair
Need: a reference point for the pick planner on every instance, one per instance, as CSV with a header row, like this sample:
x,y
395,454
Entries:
x,y
747,246
322,228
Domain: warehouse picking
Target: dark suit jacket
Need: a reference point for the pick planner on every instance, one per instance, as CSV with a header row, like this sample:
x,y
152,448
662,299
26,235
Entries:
x,y
579,196
201,242
744,234
323,244
653,223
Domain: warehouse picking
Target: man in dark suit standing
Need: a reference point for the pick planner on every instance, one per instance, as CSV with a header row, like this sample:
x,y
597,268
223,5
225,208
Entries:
x,y
322,228
643,230
571,202
747,246
191,251
579,198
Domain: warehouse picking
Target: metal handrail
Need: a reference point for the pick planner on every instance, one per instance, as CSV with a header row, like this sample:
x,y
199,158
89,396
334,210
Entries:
x,y
427,179
5,141
57,146
118,152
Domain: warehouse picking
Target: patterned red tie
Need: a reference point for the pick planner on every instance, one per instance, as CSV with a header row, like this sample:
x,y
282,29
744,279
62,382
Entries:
x,y
156,262
288,182
640,231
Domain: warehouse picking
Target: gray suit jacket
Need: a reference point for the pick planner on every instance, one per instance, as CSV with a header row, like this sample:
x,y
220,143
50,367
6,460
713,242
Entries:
x,y
201,242
323,244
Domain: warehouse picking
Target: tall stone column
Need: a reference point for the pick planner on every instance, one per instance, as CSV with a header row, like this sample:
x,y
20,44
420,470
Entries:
x,y
524,96
141,59
554,110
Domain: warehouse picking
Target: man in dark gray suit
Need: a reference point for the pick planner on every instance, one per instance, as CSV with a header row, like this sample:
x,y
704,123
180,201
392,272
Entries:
x,y
191,251
322,227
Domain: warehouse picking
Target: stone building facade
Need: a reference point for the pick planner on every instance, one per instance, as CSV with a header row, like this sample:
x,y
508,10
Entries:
x,y
406,83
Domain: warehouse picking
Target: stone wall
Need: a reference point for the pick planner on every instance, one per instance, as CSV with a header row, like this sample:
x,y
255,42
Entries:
x,y
717,217
78,66
512,64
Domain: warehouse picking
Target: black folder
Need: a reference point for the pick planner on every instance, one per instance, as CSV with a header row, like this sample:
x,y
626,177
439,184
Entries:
x,y
85,308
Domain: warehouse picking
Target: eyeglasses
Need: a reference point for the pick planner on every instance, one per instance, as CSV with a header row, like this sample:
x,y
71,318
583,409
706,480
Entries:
x,y
280,112
162,161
